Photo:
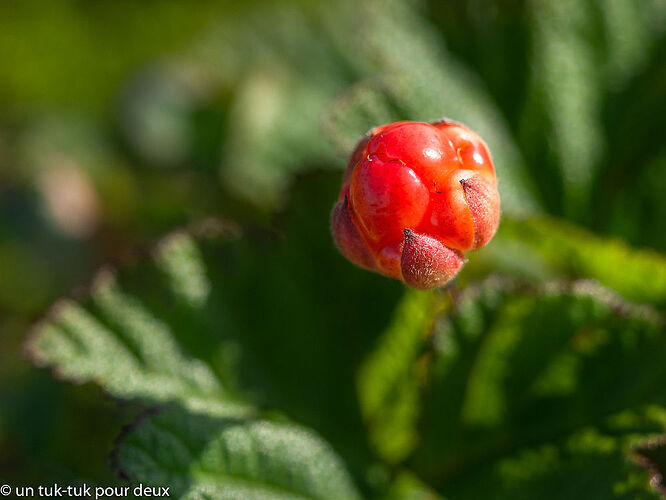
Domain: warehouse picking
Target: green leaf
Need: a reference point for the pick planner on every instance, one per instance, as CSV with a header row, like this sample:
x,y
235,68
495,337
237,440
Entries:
x,y
288,74
203,457
420,80
406,486
119,343
581,55
628,38
389,382
542,389
229,324
544,247
564,98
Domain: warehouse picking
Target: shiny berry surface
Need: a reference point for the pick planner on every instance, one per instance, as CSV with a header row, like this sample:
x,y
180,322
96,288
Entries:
x,y
415,198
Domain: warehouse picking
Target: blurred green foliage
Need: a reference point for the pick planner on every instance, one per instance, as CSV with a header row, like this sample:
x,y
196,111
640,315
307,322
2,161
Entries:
x,y
122,121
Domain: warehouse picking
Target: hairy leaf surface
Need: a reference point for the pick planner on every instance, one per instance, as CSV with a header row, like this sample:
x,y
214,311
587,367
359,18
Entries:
x,y
231,325
205,457
542,389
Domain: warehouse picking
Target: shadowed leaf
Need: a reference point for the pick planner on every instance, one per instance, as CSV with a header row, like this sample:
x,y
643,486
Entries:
x,y
542,389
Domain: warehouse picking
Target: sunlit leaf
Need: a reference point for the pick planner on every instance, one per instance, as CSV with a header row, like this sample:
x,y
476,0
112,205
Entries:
x,y
406,486
544,247
202,457
228,325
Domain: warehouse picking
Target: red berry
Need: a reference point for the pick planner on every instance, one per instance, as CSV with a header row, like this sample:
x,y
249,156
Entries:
x,y
415,197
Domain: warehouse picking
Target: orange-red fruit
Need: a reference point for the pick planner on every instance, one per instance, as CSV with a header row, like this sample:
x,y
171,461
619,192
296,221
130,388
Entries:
x,y
415,198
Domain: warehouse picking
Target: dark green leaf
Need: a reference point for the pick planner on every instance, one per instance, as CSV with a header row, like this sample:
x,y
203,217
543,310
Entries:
x,y
542,390
389,382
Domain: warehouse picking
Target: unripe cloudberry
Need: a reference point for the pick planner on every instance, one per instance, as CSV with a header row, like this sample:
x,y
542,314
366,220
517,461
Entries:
x,y
415,198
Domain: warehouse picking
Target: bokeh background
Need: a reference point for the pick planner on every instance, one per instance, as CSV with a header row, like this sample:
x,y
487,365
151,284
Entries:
x,y
120,121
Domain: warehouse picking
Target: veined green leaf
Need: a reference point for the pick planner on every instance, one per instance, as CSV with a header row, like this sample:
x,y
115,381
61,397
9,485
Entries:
x,y
543,391
230,325
544,247
117,341
204,457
